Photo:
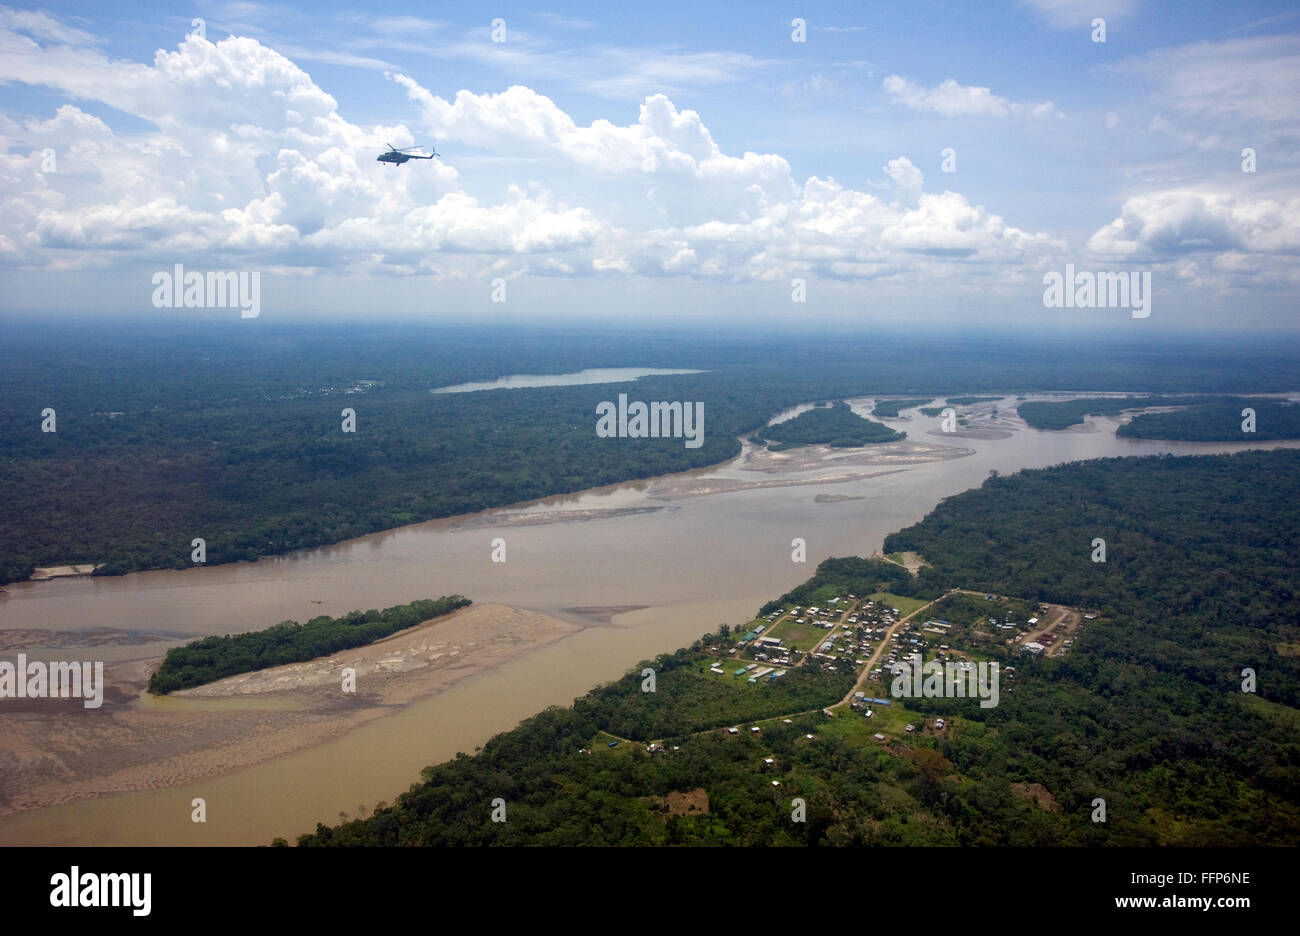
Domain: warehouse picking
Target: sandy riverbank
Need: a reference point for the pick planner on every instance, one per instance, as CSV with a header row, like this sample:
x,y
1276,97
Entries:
x,y
54,752
52,572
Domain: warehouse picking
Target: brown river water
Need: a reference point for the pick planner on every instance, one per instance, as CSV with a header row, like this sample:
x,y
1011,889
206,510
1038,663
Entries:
x,y
689,558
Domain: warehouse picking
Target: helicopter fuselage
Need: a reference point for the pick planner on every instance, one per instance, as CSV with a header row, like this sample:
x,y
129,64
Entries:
x,y
398,158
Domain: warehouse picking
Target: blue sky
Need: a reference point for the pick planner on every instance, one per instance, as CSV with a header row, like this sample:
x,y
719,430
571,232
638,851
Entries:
x,y
669,160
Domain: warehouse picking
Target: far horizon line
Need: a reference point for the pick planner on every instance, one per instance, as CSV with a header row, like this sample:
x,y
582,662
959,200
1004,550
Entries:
x,y
1142,333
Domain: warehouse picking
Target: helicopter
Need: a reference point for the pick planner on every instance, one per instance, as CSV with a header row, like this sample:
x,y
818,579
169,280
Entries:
x,y
398,156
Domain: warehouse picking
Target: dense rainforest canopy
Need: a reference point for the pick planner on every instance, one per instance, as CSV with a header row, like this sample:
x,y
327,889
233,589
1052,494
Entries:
x,y
1062,414
232,432
1218,422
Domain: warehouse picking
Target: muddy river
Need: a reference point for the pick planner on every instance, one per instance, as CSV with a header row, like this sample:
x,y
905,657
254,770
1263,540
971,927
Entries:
x,y
688,552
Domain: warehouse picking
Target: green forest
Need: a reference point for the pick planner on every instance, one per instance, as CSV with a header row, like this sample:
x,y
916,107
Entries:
x,y
212,658
1147,712
1066,413
233,432
891,408
1217,422
251,456
837,426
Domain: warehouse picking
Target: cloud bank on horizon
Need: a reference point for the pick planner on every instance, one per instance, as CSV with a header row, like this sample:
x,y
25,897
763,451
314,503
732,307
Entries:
x,y
225,152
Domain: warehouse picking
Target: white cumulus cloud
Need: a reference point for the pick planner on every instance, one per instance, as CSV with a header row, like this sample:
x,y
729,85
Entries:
x,y
951,99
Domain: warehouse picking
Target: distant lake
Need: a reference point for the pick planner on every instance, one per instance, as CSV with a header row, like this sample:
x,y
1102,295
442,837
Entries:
x,y
590,376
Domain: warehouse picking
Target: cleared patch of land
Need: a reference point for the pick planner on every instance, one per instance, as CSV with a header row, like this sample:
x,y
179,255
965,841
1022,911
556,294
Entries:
x,y
911,561
49,572
904,604
799,636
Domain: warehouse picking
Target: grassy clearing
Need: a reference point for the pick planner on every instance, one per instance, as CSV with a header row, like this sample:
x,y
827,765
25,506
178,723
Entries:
x,y
801,636
904,604
729,667
855,728
602,741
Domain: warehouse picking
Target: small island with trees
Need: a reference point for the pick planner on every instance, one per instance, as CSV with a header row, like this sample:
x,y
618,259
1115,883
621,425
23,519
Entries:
x,y
889,409
837,426
212,658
